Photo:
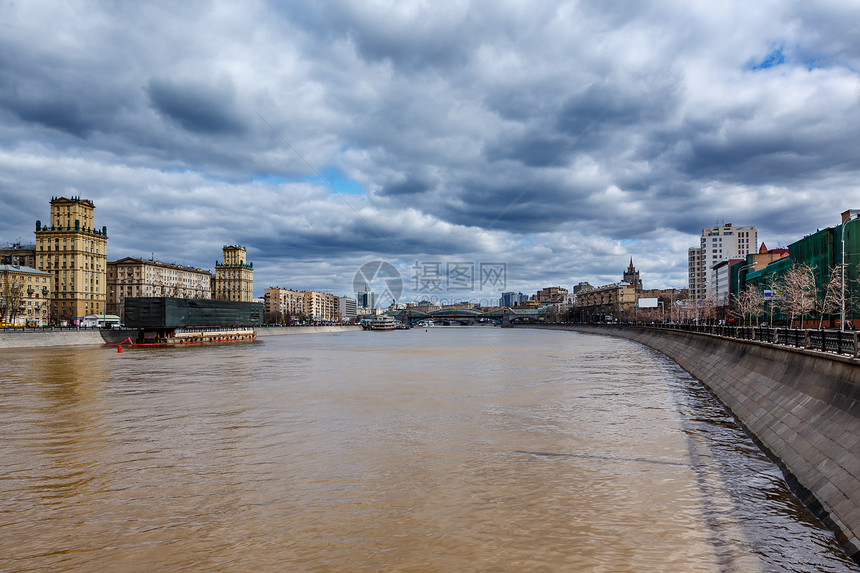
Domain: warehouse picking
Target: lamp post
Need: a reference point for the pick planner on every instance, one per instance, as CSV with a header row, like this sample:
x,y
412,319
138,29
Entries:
x,y
738,295
842,313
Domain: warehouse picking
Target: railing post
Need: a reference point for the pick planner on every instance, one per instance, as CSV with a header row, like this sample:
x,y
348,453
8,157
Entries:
x,y
807,338
855,339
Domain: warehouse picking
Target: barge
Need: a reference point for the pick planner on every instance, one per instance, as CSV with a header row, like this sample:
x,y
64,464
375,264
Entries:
x,y
169,320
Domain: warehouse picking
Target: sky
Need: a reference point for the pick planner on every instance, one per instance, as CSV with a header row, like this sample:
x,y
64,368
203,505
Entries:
x,y
547,142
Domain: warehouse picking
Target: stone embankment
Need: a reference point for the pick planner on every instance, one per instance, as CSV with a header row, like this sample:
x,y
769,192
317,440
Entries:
x,y
95,337
801,405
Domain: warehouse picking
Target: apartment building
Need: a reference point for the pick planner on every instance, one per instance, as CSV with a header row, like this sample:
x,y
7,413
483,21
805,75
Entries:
x,y
716,244
23,255
282,306
25,295
131,276
321,307
234,276
607,299
551,295
74,251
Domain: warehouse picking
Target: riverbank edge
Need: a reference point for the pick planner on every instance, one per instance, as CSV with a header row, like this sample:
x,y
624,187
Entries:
x,y
800,406
95,337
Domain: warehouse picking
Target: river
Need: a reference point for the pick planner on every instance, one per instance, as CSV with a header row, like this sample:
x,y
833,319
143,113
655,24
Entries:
x,y
439,449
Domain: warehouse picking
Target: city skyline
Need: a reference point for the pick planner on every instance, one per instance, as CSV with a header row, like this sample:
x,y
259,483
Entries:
x,y
560,140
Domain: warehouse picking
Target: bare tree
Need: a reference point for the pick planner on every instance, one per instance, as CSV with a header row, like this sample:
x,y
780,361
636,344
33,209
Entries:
x,y
798,283
831,298
748,304
11,296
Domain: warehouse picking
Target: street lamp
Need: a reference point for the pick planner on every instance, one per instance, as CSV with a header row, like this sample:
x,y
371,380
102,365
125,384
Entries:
x,y
738,295
842,314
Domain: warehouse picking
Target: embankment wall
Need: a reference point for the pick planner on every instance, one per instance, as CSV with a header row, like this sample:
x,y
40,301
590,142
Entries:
x,y
87,337
801,405
283,330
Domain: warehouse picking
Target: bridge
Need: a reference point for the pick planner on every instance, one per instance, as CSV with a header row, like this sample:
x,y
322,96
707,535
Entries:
x,y
467,316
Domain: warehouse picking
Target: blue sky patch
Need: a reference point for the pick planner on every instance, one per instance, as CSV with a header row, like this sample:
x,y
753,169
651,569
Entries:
x,y
340,183
774,58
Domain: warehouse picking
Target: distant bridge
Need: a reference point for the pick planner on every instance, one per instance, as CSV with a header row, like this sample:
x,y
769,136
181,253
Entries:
x,y
468,316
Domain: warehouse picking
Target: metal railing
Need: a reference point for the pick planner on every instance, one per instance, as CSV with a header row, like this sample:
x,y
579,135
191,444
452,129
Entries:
x,y
824,340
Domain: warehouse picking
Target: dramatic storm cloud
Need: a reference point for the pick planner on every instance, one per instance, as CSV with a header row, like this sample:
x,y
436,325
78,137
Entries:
x,y
559,138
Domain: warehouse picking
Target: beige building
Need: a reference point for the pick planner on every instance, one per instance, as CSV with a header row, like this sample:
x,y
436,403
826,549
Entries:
x,y
75,253
551,295
608,299
25,296
234,277
282,305
18,254
321,307
141,277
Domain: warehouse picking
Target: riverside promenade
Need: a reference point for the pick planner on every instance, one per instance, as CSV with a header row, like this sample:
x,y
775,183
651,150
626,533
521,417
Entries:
x,y
41,338
799,403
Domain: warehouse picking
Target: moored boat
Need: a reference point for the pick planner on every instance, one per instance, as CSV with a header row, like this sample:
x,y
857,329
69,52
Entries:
x,y
381,322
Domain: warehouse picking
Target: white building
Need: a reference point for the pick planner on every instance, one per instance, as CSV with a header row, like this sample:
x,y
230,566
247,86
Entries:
x,y
722,272
716,244
348,308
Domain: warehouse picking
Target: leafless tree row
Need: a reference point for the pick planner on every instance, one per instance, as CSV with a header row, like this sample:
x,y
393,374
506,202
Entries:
x,y
799,296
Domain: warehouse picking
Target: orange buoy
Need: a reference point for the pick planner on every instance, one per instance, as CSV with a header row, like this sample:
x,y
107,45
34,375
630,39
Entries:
x,y
119,348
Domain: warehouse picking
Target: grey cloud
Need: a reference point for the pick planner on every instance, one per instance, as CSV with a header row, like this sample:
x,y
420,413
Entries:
x,y
197,108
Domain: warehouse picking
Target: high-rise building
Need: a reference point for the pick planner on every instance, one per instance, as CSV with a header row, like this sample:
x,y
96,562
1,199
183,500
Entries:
x,y
366,299
716,244
75,252
234,277
512,299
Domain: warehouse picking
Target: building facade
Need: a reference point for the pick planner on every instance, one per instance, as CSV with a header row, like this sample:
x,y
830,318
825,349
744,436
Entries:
x,y
348,308
695,273
716,244
551,295
321,307
723,287
606,300
283,306
131,276
71,248
512,299
19,254
234,277
25,296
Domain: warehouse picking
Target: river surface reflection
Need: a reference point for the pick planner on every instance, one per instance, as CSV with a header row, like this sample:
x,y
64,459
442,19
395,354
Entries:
x,y
450,449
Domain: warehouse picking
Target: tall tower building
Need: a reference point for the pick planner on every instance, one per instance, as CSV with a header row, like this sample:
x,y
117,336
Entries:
x,y
234,278
631,276
75,253
717,244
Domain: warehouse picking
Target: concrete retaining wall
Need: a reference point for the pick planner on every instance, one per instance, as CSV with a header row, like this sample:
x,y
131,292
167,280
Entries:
x,y
801,405
43,338
282,330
